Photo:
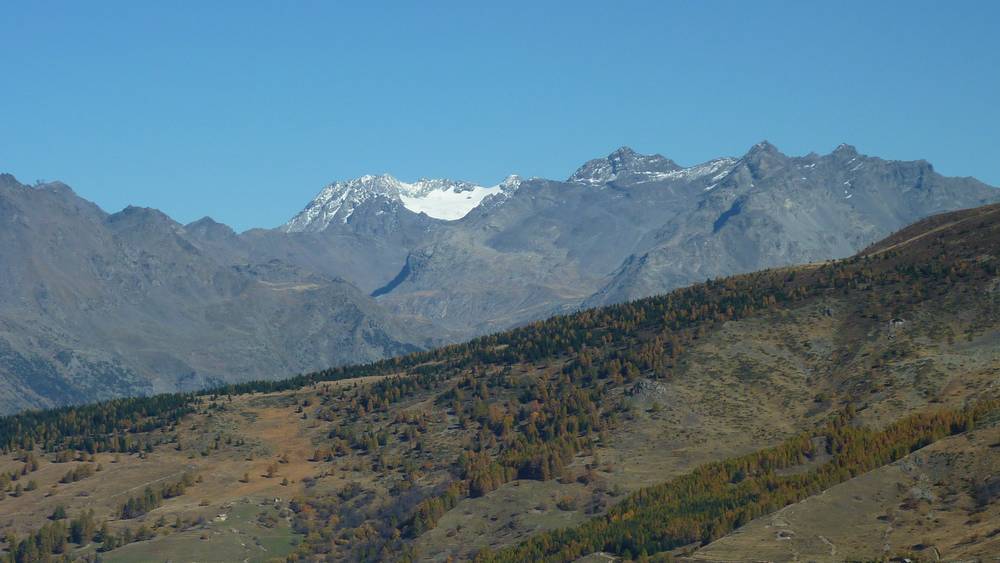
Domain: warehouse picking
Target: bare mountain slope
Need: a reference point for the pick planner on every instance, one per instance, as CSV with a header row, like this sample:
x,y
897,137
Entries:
x,y
630,226
95,305
484,448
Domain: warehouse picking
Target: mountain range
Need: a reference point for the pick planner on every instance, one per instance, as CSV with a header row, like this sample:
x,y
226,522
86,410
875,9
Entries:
x,y
94,305
847,410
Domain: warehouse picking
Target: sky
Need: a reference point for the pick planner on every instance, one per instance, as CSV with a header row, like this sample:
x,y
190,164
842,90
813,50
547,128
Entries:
x,y
243,111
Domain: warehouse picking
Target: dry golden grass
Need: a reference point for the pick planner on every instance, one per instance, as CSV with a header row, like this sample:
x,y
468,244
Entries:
x,y
922,506
742,386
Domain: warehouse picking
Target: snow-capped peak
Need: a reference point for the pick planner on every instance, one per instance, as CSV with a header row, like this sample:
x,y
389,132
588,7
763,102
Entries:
x,y
337,201
443,199
510,183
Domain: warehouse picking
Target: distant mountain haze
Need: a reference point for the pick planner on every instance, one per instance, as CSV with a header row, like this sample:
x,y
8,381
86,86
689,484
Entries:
x,y
95,305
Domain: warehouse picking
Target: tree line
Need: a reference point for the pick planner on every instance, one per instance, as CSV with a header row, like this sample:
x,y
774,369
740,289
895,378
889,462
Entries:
x,y
717,498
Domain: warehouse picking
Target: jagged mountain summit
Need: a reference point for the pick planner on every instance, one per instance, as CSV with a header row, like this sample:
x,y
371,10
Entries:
x,y
741,419
625,166
769,209
625,163
443,199
94,305
629,225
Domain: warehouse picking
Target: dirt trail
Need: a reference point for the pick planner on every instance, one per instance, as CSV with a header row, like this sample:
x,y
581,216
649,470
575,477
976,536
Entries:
x,y
937,229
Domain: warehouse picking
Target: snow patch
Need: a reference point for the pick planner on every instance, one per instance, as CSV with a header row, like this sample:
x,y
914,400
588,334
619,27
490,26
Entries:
x,y
720,168
449,204
447,200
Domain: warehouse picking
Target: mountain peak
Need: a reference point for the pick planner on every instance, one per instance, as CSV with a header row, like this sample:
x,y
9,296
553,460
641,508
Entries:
x,y
134,219
8,180
135,211
844,149
438,198
623,151
763,147
208,228
204,221
54,187
623,163
338,200
511,182
377,178
763,157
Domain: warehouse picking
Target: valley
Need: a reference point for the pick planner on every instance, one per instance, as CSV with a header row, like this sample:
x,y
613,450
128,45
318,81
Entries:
x,y
96,305
519,282
477,450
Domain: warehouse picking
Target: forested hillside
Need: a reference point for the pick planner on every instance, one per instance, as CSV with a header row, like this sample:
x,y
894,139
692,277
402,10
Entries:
x,y
636,429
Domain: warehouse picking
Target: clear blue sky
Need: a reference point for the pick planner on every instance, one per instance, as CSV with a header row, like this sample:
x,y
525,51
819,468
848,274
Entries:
x,y
244,110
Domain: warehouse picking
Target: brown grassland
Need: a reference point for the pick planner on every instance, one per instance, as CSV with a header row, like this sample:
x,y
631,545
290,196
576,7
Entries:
x,y
280,473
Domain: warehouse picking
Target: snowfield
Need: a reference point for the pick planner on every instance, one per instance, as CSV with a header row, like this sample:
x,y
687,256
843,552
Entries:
x,y
449,204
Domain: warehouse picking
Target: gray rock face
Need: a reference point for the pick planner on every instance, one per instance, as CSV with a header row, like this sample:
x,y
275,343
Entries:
x,y
629,226
772,210
624,166
94,305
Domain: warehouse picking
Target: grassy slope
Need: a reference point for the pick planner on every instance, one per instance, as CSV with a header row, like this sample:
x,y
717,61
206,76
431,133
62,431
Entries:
x,y
931,505
739,386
